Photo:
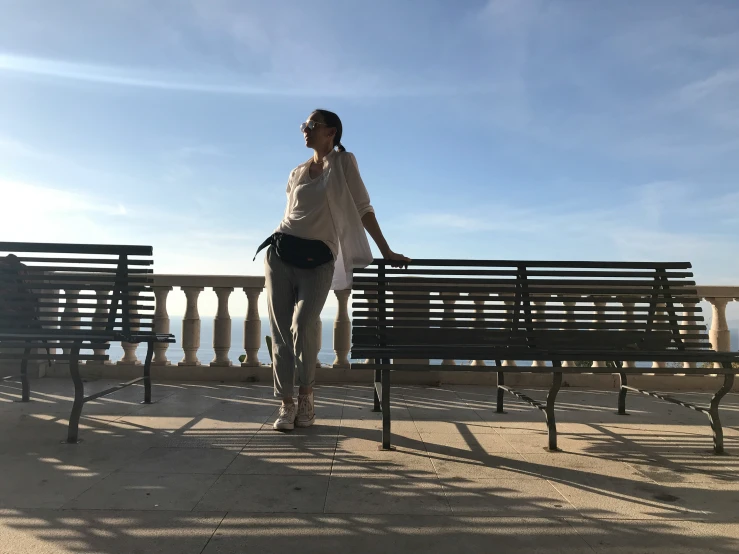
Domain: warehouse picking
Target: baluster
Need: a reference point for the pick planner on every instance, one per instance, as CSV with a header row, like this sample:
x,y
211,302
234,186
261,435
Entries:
x,y
100,320
342,330
511,308
252,328
660,320
539,310
222,328
480,312
600,305
687,341
319,340
629,314
569,318
418,313
448,299
191,327
161,325
719,334
129,348
70,314
372,308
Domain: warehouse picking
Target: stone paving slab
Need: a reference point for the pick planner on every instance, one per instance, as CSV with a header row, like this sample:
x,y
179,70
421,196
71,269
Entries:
x,y
201,470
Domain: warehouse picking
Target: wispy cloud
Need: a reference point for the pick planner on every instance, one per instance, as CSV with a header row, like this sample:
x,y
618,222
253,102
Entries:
x,y
351,84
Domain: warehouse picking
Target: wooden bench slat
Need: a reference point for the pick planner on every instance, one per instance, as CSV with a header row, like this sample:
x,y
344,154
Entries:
x,y
614,298
31,279
500,315
527,283
495,305
58,357
523,322
81,296
547,370
84,325
63,248
379,262
530,354
605,273
676,292
96,261
85,305
84,269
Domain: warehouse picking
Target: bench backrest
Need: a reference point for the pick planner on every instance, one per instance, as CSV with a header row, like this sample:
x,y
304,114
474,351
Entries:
x,y
76,288
546,305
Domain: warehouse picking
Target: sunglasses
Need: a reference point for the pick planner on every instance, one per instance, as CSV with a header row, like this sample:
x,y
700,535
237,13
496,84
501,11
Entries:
x,y
309,125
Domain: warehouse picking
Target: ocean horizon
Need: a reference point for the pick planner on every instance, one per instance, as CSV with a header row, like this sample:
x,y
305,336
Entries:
x,y
206,354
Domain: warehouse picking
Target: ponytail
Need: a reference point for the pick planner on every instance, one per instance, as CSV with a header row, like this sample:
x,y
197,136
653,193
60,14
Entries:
x,y
332,120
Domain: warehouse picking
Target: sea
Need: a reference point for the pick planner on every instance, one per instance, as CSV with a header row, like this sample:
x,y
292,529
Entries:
x,y
206,354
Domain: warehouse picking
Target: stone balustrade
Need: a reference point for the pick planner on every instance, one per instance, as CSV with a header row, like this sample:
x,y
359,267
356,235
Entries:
x,y
252,286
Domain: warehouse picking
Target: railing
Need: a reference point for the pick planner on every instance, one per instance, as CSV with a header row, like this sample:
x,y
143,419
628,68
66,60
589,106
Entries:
x,y
252,286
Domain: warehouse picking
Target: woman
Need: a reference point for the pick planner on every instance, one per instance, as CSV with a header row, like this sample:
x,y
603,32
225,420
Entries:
x,y
313,250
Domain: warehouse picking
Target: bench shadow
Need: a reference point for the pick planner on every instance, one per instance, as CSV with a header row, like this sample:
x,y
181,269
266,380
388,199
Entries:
x,y
400,500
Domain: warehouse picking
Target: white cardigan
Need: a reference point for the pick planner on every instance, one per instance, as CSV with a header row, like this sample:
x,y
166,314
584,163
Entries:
x,y
348,201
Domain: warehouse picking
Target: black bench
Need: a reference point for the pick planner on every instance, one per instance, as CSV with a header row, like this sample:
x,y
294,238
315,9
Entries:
x,y
113,302
532,311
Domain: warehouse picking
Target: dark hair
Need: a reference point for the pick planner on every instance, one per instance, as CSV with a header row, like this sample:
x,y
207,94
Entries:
x,y
332,120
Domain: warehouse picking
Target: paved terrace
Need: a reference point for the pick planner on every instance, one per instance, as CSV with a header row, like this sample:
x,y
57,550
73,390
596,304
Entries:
x,y
201,471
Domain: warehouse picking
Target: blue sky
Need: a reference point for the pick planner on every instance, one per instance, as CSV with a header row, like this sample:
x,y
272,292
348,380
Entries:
x,y
566,129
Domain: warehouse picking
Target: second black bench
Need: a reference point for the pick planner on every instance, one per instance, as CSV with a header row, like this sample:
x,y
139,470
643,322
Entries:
x,y
35,280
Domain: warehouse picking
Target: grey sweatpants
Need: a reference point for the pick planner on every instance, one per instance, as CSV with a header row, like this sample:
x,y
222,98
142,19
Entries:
x,y
295,298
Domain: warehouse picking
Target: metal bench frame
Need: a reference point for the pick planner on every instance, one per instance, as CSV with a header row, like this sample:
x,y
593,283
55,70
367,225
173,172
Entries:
x,y
384,331
33,284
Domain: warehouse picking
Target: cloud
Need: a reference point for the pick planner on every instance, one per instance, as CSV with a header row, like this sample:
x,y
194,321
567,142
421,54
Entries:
x,y
36,213
353,83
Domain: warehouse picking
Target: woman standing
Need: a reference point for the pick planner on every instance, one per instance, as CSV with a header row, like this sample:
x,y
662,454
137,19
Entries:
x,y
319,241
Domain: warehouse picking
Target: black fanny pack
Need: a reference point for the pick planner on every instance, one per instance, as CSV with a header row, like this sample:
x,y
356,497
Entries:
x,y
302,253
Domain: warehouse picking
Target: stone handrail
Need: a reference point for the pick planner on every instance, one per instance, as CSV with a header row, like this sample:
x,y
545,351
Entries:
x,y
252,286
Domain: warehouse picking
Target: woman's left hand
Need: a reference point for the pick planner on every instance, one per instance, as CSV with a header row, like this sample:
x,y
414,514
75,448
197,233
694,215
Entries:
x,y
398,260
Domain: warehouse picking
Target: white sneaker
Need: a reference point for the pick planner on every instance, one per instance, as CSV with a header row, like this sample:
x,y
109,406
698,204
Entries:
x,y
286,420
306,412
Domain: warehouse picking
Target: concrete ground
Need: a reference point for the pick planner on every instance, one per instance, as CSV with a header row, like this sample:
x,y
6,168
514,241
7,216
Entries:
x,y
202,471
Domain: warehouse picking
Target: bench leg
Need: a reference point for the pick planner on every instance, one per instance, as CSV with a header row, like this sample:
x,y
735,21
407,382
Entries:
x,y
386,410
79,395
378,379
713,417
549,411
622,394
147,373
25,387
501,392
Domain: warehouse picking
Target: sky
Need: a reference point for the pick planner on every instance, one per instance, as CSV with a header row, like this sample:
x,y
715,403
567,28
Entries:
x,y
501,129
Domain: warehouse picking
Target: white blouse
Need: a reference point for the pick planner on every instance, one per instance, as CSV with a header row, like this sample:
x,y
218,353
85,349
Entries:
x,y
347,201
307,214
